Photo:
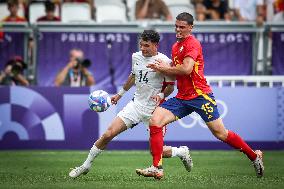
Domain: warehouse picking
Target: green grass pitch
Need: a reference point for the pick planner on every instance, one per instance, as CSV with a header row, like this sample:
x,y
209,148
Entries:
x,y
116,169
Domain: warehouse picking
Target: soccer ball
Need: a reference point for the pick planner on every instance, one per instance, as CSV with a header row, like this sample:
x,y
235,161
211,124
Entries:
x,y
99,101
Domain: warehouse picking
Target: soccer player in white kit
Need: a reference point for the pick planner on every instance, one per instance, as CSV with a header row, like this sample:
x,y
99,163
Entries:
x,y
149,93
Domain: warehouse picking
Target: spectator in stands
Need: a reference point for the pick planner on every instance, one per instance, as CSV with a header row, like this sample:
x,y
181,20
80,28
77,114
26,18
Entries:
x,y
252,10
50,13
216,10
75,73
200,11
13,7
13,73
152,9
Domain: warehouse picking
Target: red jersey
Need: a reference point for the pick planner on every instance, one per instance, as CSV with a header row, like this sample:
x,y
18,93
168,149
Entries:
x,y
14,19
45,19
195,84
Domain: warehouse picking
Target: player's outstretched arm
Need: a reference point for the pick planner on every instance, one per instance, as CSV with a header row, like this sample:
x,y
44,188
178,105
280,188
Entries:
x,y
127,85
165,93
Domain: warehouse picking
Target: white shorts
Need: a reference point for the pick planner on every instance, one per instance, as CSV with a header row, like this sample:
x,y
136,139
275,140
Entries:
x,y
132,115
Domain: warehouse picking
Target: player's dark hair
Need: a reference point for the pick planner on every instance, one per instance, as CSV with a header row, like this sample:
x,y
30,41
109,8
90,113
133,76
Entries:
x,y
150,35
184,16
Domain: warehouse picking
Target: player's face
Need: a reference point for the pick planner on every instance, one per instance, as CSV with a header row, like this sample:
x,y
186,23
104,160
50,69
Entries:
x,y
148,48
183,29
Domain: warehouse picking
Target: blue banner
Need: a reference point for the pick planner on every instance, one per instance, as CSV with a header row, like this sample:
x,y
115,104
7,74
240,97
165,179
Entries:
x,y
105,50
224,53
12,44
59,118
277,53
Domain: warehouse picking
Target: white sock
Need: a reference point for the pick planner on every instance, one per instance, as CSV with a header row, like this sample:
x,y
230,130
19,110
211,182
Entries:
x,y
94,152
179,152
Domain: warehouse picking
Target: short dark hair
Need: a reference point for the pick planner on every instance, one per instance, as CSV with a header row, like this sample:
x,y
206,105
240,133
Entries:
x,y
49,6
184,16
150,35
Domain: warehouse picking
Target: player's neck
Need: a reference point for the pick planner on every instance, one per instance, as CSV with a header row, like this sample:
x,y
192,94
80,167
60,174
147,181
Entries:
x,y
151,55
182,39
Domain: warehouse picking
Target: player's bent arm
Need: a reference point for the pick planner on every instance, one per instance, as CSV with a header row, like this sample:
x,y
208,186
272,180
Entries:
x,y
181,69
128,84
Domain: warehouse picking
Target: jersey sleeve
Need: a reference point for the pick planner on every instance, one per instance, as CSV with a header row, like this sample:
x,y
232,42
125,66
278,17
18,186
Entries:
x,y
192,50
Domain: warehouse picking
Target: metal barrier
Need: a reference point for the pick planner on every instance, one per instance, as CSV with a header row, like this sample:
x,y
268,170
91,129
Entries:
x,y
260,66
257,81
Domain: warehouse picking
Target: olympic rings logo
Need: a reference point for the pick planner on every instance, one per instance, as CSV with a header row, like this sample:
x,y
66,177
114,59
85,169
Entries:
x,y
195,118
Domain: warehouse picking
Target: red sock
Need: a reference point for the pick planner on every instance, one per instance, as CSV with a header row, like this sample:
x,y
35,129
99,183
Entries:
x,y
237,142
156,144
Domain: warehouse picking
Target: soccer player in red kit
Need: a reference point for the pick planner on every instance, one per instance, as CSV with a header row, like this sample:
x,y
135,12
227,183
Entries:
x,y
194,95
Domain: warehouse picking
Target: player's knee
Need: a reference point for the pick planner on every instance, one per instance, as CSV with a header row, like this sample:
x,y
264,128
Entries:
x,y
108,135
220,135
156,121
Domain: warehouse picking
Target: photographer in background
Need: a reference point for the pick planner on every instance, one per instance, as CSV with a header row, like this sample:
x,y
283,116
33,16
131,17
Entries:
x,y
13,73
75,73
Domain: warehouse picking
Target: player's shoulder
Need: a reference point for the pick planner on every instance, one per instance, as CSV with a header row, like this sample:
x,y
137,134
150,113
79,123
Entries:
x,y
137,57
193,40
137,54
163,56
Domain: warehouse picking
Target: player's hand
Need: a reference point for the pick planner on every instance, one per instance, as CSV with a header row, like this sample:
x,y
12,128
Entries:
x,y
114,99
158,65
161,65
157,99
153,66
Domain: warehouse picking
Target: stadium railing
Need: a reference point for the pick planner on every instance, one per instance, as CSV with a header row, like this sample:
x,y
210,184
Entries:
x,y
256,81
259,66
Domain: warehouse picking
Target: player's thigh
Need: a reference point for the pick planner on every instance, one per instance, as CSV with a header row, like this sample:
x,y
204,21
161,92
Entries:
x,y
117,126
206,107
169,111
218,129
130,115
161,117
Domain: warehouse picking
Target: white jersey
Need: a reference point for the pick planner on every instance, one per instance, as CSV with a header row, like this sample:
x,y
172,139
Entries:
x,y
148,82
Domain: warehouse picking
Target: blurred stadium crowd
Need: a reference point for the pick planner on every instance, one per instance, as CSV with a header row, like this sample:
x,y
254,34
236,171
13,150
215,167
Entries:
x,y
102,12
130,10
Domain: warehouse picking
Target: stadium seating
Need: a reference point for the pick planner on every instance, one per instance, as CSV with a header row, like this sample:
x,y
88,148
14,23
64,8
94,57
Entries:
x,y
37,10
175,9
3,11
111,12
178,6
103,2
131,9
176,2
72,12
